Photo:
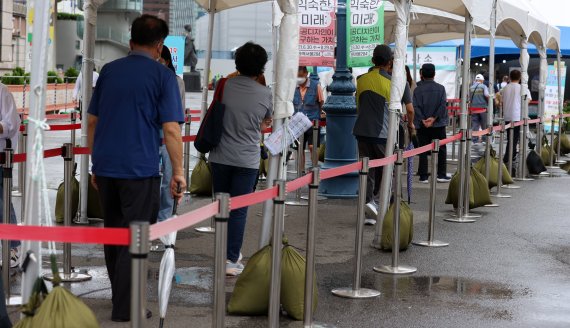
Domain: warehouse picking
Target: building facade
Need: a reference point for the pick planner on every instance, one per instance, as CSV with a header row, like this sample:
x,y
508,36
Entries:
x,y
158,8
12,35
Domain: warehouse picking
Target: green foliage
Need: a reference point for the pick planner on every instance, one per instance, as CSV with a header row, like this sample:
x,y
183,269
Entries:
x,y
67,16
71,75
53,78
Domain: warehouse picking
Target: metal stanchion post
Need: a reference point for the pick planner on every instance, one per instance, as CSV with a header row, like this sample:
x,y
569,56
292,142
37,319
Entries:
x,y
498,194
467,177
221,240
522,153
21,149
510,151
22,171
552,163
315,151
187,132
73,121
300,168
355,291
395,267
7,200
539,134
430,242
275,289
558,154
453,144
139,248
68,161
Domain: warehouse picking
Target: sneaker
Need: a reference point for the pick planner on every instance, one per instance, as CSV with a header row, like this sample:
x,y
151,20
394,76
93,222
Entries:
x,y
371,209
424,180
369,221
444,179
234,269
14,257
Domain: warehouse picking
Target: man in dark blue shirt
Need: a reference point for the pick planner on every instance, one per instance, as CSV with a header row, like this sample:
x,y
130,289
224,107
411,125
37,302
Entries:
x,y
135,97
430,107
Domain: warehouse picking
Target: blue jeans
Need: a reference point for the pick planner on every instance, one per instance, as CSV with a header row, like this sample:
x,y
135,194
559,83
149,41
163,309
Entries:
x,y
166,200
236,181
13,243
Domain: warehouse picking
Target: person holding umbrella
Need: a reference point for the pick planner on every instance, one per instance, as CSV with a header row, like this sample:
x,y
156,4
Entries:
x,y
135,97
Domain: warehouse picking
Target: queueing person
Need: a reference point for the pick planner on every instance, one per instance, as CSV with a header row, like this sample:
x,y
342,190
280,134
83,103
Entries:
x,y
9,128
135,97
77,89
309,100
478,97
166,199
235,161
371,126
511,101
431,118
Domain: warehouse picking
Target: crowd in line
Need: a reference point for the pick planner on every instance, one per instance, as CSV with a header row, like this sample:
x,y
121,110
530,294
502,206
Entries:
x,y
137,169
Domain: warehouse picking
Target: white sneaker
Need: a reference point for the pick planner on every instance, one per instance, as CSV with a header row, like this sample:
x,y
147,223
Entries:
x,y
371,209
234,269
369,221
445,179
14,257
424,181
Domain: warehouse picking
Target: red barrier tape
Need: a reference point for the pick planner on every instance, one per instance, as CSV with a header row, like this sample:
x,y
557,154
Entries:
x,y
537,120
382,161
299,182
52,117
417,151
65,127
565,115
477,110
81,151
105,236
18,158
189,219
480,133
450,139
253,198
195,112
519,123
341,170
188,138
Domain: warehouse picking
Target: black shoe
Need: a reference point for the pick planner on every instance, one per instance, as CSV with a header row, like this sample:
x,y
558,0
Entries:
x,y
148,316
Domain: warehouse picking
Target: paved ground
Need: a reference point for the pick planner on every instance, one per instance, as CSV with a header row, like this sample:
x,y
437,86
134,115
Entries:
x,y
509,269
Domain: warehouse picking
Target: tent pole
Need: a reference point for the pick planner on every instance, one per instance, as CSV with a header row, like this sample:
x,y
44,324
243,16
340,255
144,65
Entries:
x,y
560,99
208,59
541,90
524,60
402,8
490,105
32,212
415,61
86,93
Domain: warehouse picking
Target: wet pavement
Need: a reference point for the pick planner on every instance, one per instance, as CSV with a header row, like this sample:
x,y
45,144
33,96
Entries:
x,y
511,268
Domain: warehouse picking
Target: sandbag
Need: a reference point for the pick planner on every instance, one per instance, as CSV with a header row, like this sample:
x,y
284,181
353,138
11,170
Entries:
x,y
94,208
564,145
322,149
251,292
479,190
534,163
293,283
201,179
406,227
493,171
60,200
4,318
545,155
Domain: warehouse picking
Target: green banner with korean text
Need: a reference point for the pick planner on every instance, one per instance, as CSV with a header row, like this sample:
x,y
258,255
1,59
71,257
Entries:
x,y
365,30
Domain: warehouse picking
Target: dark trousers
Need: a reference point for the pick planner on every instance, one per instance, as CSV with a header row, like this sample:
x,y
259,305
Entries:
x,y
516,137
235,181
123,202
426,136
372,151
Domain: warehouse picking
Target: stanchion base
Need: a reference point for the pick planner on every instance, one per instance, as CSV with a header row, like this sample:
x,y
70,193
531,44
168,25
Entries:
x,y
205,229
492,205
400,269
500,196
433,243
511,186
319,197
71,277
14,301
314,324
552,167
560,162
469,215
296,203
460,220
16,194
452,161
523,179
355,293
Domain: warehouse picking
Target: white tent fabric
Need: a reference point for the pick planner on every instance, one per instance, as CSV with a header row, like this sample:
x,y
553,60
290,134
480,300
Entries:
x,y
479,9
219,5
287,60
524,60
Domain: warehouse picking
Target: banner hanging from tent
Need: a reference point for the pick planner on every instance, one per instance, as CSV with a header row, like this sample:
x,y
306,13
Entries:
x,y
444,59
365,30
176,46
551,94
317,32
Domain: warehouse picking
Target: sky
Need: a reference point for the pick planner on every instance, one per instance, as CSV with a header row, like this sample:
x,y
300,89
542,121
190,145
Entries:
x,y
556,10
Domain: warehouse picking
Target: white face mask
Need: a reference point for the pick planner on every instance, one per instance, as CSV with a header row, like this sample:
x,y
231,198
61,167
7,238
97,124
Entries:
x,y
301,80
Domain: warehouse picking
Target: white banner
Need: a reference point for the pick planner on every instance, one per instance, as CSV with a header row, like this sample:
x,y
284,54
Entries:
x,y
551,95
444,59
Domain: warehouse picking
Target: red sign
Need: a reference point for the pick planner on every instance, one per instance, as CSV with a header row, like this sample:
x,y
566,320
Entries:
x,y
317,23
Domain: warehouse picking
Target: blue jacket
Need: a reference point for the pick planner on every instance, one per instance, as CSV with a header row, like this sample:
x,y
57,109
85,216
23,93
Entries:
x,y
310,104
430,100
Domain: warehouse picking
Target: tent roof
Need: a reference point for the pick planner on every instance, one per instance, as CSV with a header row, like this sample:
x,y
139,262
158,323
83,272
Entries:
x,y
219,5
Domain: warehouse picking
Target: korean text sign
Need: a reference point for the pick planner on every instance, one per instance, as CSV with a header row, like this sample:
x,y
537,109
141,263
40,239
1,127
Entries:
x,y
316,32
365,30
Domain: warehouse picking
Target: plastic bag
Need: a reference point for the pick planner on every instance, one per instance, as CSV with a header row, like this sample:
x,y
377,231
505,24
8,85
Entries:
x,y
406,227
293,283
479,190
201,179
534,163
251,292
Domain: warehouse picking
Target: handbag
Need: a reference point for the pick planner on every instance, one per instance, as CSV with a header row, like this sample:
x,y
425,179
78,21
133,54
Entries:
x,y
210,131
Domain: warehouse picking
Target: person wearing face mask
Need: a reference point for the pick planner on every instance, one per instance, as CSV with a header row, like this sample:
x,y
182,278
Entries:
x,y
135,97
308,100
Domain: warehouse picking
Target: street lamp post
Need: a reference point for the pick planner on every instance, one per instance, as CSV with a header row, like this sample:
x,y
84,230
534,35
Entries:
x,y
340,108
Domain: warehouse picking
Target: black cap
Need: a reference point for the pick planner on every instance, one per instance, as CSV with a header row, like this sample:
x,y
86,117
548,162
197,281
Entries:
x,y
382,54
428,69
